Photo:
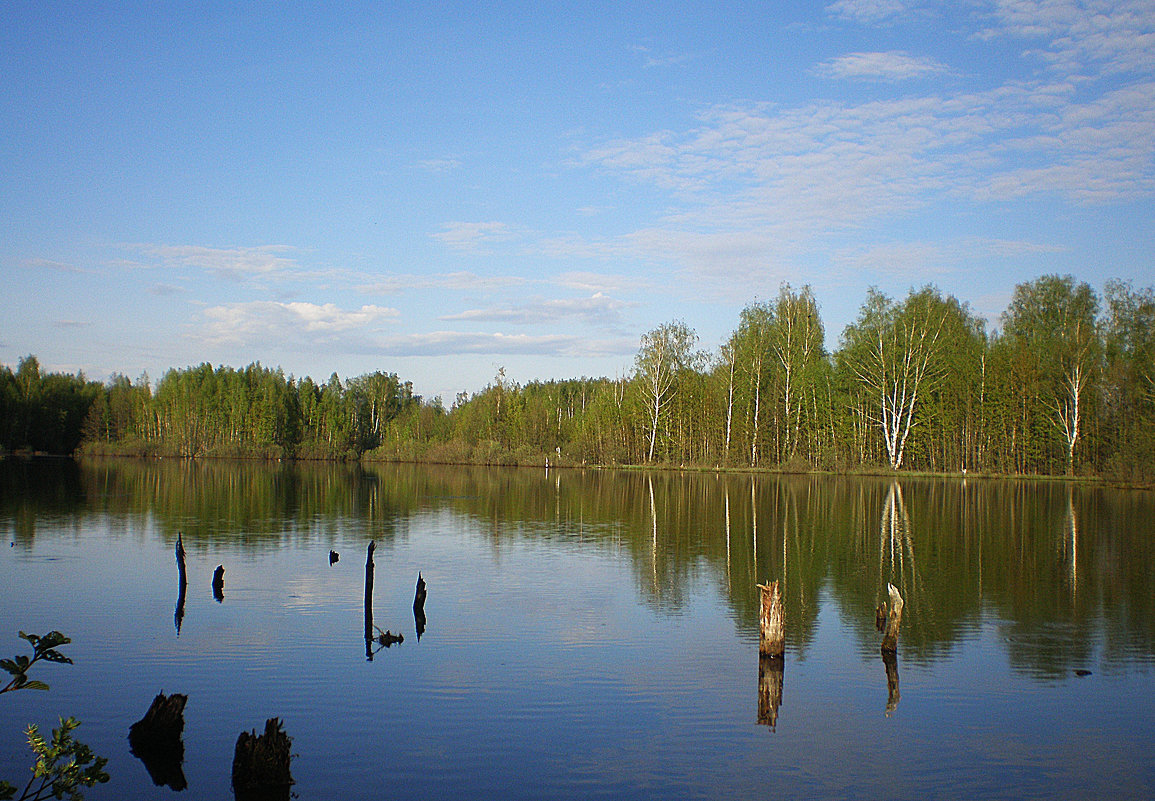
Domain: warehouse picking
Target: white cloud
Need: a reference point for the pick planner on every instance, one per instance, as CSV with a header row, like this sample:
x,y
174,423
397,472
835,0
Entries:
x,y
890,67
1081,36
281,324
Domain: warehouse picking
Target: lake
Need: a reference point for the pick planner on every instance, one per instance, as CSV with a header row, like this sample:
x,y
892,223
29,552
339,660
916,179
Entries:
x,y
589,634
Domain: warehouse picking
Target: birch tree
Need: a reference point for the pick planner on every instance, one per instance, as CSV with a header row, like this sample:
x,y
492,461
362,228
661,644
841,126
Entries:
x,y
751,345
664,353
795,338
892,351
1051,322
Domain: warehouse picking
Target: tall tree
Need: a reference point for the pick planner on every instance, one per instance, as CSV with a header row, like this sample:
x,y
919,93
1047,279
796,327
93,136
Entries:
x,y
751,344
1051,323
796,337
665,352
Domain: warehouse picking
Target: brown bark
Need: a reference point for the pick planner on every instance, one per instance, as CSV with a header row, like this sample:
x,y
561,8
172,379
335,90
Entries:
x,y
772,640
893,621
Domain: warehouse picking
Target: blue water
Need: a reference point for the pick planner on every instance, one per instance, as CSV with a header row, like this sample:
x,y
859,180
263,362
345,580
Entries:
x,y
576,653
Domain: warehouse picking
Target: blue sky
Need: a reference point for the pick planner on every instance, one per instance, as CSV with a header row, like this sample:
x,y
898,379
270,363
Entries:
x,y
442,190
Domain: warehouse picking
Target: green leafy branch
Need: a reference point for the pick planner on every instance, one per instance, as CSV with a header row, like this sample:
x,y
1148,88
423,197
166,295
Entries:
x,y
43,648
62,767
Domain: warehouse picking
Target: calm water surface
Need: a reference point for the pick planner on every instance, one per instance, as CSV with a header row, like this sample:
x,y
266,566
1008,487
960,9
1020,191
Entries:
x,y
590,634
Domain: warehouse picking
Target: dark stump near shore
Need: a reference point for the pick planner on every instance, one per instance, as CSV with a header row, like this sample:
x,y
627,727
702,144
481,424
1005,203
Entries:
x,y
155,740
261,764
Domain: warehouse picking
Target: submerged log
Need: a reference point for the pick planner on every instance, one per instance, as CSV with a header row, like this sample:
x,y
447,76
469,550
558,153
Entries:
x,y
770,673
334,557
893,621
155,740
772,635
261,764
219,583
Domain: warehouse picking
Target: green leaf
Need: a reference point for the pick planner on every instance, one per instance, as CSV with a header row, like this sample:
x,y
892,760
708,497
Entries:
x,y
53,656
34,685
10,666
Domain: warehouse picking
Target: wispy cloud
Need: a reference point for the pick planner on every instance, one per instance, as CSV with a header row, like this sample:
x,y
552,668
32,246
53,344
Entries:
x,y
927,259
598,309
459,281
439,165
1081,36
869,12
756,184
474,236
234,264
601,282
889,67
653,59
56,266
454,343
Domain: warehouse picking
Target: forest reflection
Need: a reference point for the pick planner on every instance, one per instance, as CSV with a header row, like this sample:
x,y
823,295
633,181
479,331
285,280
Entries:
x,y
1064,569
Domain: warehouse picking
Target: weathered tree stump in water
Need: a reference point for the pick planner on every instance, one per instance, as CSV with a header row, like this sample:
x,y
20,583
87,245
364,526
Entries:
x,y
334,557
772,638
155,740
219,583
893,621
261,764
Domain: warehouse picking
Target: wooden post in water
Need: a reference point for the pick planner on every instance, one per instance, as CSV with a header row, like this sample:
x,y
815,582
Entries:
x,y
369,600
772,640
182,584
219,583
893,621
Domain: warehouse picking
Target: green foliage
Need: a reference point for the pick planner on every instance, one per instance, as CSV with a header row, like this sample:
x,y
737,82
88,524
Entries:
x,y
63,766
914,384
43,648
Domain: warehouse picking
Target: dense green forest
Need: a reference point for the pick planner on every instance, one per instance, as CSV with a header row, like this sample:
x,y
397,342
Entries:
x,y
1066,386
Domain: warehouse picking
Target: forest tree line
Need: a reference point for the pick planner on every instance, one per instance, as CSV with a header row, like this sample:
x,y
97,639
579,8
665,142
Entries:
x,y
1065,386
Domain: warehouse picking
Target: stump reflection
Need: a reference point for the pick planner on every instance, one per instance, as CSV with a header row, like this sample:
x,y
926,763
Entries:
x,y
770,673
